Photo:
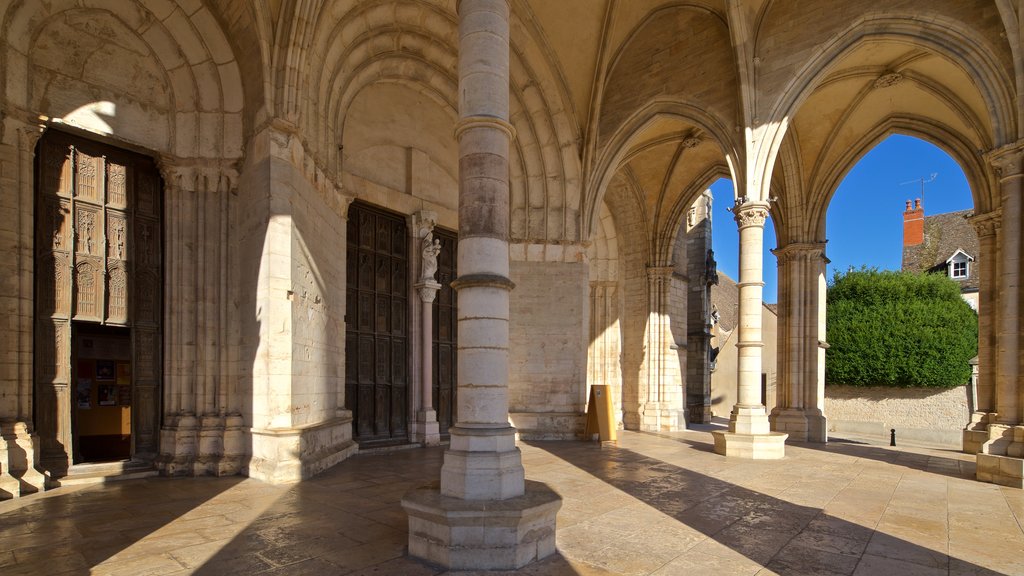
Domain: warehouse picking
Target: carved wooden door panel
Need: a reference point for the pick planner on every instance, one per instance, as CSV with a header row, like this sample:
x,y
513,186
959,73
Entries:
x,y
445,337
376,327
98,260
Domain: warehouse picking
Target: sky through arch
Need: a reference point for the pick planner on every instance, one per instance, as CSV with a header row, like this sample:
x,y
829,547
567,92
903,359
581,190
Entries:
x,y
865,216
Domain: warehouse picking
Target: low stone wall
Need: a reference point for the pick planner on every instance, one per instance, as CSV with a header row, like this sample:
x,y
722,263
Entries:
x,y
929,416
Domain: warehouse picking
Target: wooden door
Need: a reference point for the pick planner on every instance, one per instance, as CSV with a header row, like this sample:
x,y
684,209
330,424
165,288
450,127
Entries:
x,y
98,261
445,335
376,326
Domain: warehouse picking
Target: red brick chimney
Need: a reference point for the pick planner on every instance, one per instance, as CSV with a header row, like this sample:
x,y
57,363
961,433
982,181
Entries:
x,y
913,224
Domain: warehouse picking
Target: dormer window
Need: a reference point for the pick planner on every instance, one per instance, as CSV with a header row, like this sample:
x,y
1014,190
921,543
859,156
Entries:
x,y
959,270
959,265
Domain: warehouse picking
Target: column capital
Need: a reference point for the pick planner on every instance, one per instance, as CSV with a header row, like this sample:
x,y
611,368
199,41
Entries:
x,y
198,176
28,136
986,224
1007,160
427,290
660,272
795,250
750,213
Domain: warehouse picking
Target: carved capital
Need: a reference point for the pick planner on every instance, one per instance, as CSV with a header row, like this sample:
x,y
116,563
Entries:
x,y
28,137
1007,160
750,214
427,291
986,224
179,174
800,250
660,272
344,202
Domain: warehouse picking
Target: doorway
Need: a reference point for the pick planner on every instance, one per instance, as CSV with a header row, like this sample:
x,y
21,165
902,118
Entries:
x,y
98,302
377,327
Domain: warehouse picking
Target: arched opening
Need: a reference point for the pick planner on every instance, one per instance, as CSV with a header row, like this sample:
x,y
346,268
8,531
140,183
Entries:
x,y
914,207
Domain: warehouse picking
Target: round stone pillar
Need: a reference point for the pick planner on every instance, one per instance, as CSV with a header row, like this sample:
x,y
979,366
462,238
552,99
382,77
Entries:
x,y
749,435
484,516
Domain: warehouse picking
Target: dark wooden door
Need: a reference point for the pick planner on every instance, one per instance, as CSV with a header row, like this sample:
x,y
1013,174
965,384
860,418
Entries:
x,y
99,262
376,327
445,333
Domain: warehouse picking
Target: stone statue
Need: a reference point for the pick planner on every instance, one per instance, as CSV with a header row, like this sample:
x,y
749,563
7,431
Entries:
x,y
431,248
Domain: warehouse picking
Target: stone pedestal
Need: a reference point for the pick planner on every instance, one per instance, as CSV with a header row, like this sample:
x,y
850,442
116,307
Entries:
x,y
178,445
801,425
18,475
975,434
463,535
769,446
427,430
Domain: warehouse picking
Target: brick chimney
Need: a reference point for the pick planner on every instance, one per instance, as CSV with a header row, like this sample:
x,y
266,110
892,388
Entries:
x,y
913,224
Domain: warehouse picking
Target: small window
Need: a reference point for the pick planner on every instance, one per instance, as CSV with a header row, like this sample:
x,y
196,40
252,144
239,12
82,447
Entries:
x,y
958,269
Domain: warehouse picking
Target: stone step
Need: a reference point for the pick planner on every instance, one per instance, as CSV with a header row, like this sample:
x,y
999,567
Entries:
x,y
107,472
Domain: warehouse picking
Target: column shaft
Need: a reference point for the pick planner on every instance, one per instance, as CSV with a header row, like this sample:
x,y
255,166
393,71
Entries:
x,y
748,416
483,461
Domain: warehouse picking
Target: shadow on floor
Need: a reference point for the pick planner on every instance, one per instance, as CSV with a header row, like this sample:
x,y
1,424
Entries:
x,y
786,538
77,528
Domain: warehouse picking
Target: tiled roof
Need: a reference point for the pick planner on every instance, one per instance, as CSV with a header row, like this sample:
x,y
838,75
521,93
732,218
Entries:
x,y
944,234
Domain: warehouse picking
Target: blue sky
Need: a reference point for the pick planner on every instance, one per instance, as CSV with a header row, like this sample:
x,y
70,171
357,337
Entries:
x,y
865,217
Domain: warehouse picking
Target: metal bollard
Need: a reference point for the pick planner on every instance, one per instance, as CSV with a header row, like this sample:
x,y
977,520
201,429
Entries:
x,y
892,437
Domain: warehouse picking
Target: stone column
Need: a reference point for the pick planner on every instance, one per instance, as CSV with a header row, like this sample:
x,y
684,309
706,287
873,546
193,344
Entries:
x,y
662,405
749,434
18,441
987,228
800,410
483,517
1000,457
427,287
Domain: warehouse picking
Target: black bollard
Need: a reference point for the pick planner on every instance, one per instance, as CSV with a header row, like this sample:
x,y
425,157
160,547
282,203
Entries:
x,y
892,437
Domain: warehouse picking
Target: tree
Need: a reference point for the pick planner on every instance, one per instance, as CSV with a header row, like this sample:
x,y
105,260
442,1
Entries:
x,y
902,329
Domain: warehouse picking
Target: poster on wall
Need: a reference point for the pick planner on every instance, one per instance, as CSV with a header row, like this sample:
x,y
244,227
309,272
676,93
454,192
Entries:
x,y
84,393
105,370
107,395
124,373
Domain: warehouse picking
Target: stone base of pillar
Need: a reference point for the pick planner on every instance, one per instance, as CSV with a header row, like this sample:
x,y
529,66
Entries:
x,y
425,429
284,455
178,446
18,474
662,417
749,420
482,534
1002,470
975,434
768,446
800,425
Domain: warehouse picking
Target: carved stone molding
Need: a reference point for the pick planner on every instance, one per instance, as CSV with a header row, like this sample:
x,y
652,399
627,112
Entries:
x,y
986,224
798,250
750,214
1007,160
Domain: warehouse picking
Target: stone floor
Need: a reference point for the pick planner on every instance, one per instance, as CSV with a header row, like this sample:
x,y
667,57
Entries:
x,y
652,504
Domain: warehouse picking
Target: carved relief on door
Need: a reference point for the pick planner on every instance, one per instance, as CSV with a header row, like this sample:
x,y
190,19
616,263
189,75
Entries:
x,y
98,262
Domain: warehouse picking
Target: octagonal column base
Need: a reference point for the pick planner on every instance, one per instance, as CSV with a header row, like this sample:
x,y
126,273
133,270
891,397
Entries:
x,y
770,446
482,534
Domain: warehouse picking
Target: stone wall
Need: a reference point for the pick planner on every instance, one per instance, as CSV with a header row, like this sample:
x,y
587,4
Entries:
x,y
548,341
919,415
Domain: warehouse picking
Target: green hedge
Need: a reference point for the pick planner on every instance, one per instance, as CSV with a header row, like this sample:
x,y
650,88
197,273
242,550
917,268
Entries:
x,y
898,329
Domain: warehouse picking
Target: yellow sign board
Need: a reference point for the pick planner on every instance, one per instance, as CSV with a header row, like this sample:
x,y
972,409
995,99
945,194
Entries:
x,y
600,417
